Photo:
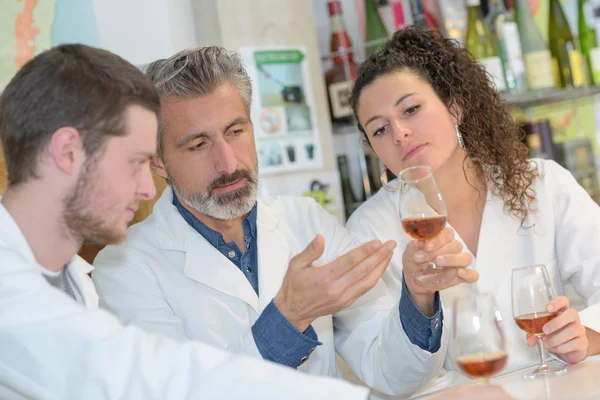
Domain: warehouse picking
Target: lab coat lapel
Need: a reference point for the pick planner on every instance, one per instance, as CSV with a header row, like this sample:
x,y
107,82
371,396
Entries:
x,y
274,253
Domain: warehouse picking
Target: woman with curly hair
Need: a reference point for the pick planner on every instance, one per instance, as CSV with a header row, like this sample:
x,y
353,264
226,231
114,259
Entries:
x,y
423,100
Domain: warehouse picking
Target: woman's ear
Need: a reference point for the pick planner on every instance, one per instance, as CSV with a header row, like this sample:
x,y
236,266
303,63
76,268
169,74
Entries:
x,y
456,112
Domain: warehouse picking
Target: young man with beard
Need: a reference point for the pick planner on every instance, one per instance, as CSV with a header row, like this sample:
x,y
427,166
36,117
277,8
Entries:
x,y
78,127
276,278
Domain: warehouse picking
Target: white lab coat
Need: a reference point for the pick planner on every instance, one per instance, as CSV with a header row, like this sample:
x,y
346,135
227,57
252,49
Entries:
x,y
167,278
566,238
53,348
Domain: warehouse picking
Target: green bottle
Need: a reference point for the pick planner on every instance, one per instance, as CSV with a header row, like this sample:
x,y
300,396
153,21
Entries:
x,y
376,31
569,69
588,40
482,45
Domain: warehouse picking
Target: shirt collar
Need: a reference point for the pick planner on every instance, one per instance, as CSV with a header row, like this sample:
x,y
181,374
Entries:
x,y
212,236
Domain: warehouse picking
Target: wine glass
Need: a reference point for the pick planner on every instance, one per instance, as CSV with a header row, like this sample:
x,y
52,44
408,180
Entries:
x,y
531,292
478,336
423,215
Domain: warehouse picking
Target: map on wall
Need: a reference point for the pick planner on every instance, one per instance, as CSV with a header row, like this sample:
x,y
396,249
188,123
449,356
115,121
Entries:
x,y
28,27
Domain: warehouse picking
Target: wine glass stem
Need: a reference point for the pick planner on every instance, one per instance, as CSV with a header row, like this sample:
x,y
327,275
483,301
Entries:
x,y
540,346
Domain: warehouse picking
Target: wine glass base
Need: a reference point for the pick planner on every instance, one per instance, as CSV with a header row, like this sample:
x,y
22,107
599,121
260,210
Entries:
x,y
550,371
435,276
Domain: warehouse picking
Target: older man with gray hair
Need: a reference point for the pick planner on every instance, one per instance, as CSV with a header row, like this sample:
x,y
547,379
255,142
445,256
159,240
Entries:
x,y
277,278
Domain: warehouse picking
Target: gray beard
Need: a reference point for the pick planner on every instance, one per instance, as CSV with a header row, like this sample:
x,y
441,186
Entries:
x,y
224,207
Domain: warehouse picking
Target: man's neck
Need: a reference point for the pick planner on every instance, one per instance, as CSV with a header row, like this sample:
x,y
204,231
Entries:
x,y
37,212
230,229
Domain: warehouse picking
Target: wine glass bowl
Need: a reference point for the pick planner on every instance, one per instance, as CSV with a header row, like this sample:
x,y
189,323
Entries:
x,y
423,215
531,292
479,341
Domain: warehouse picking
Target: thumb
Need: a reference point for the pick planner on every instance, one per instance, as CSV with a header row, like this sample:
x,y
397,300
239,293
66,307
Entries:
x,y
310,254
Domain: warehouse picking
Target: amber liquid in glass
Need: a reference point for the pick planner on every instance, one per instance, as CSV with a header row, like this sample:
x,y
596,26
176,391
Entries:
x,y
482,365
533,323
424,228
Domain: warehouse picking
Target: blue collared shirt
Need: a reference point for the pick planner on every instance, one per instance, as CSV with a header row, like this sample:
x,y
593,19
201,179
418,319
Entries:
x,y
276,339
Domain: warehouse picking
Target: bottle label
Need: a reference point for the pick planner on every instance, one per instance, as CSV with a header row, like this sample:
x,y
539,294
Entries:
x,y
338,96
578,68
595,64
473,3
539,69
512,43
493,66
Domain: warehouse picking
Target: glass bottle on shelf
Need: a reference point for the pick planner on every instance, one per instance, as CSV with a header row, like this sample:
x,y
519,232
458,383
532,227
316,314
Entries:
x,y
347,193
587,37
481,44
338,79
376,32
387,15
506,31
568,65
538,59
420,20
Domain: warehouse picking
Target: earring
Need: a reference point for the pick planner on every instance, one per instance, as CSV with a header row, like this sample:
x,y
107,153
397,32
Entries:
x,y
459,136
384,181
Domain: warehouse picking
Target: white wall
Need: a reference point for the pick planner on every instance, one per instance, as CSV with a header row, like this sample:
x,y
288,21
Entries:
x,y
142,31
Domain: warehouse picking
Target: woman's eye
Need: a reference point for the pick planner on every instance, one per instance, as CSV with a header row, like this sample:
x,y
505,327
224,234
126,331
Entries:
x,y
380,131
412,110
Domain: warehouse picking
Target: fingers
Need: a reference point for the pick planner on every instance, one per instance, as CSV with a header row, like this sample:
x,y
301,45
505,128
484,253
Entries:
x,y
467,275
563,319
355,290
310,254
442,253
531,340
355,257
361,270
454,260
557,304
445,236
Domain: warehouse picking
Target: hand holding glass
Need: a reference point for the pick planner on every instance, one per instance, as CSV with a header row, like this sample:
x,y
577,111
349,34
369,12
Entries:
x,y
531,292
423,215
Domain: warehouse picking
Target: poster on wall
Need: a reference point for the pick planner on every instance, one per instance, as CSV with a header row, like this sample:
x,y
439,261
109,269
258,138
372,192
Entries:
x,y
282,109
324,187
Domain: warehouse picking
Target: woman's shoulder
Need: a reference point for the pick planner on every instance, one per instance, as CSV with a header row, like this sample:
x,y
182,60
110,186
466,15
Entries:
x,y
551,175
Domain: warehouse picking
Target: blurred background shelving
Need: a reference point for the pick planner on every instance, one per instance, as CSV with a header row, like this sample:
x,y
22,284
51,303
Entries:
x,y
557,113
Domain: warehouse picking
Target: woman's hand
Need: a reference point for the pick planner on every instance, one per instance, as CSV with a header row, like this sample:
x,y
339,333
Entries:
x,y
445,251
564,335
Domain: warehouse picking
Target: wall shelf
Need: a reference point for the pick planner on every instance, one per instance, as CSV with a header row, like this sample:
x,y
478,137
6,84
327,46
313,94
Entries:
x,y
532,99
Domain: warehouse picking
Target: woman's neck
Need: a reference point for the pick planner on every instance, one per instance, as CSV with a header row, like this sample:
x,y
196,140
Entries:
x,y
460,184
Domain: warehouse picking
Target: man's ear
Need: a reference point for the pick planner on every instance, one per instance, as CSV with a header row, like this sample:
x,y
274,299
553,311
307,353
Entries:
x,y
158,167
66,149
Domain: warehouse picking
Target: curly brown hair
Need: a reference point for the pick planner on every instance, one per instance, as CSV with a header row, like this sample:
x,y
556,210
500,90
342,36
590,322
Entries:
x,y
491,137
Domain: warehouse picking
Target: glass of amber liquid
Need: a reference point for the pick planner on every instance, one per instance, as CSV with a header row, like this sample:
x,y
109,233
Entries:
x,y
531,292
478,336
423,215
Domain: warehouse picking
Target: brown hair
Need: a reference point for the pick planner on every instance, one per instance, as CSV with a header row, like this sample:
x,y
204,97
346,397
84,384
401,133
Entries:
x,y
491,137
70,85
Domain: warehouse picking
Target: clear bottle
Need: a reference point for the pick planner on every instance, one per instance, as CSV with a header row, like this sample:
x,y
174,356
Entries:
x,y
506,31
482,45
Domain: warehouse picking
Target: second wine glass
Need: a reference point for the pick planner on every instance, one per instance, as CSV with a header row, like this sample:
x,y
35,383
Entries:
x,y
423,215
479,341
531,292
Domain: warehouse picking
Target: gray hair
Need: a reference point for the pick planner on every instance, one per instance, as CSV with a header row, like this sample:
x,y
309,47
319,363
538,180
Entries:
x,y
198,72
